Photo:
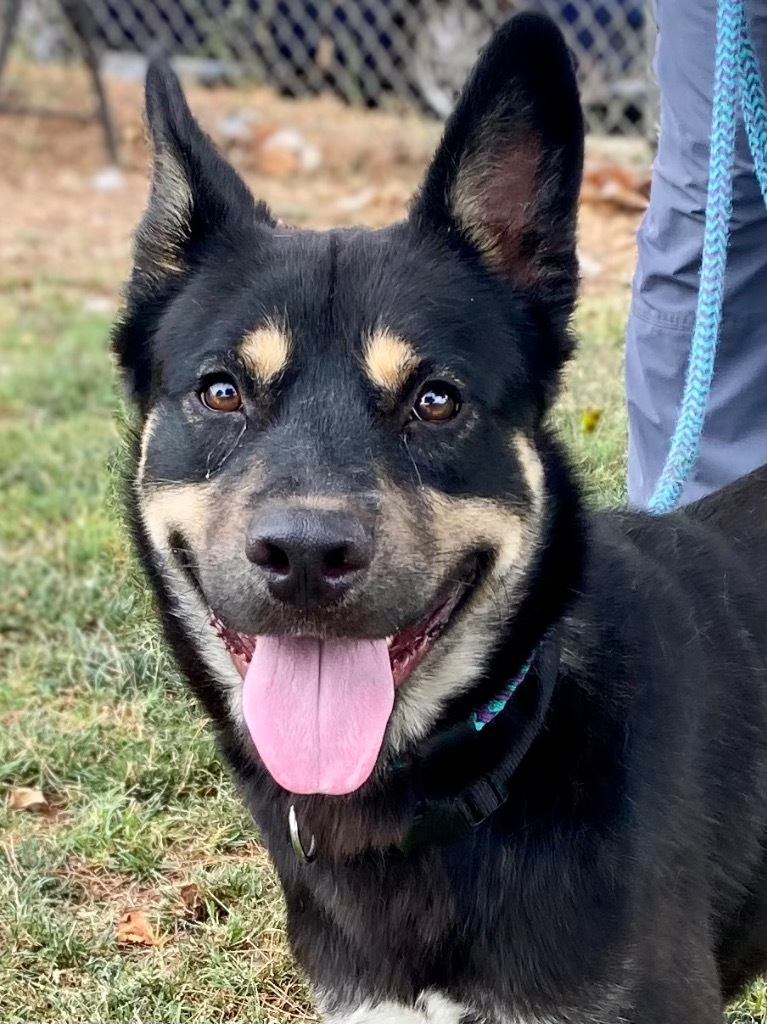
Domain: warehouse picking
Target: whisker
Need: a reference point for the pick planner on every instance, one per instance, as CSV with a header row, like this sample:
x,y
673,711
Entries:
x,y
415,466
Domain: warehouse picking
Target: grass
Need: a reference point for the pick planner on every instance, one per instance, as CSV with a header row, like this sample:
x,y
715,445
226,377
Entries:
x,y
140,815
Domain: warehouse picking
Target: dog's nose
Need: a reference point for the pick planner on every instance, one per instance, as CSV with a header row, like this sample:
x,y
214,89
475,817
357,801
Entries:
x,y
310,557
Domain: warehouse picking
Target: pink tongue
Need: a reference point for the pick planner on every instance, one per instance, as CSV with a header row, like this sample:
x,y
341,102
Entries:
x,y
317,710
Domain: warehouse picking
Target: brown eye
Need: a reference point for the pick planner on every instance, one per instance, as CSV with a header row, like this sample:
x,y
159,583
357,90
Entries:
x,y
221,396
437,402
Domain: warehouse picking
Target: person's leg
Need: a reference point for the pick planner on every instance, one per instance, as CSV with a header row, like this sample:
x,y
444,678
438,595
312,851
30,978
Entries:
x,y
666,281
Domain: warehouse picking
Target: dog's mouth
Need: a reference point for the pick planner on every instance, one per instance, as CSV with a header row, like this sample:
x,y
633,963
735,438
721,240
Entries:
x,y
407,648
317,708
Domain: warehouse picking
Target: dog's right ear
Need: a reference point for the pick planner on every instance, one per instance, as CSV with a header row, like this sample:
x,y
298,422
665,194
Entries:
x,y
195,193
197,200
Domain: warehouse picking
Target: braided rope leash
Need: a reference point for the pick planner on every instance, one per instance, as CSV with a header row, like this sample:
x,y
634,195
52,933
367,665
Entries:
x,y
737,80
754,106
485,715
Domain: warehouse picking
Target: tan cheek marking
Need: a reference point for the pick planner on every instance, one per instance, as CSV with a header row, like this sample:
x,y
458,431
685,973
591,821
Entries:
x,y
266,352
532,468
453,525
388,360
457,521
150,426
187,508
453,522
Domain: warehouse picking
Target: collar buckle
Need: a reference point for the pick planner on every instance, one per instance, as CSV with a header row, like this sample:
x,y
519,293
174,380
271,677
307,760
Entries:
x,y
481,800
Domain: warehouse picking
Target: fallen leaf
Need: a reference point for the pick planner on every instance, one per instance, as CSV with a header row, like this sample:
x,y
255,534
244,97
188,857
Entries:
x,y
278,163
609,175
191,896
590,418
285,152
619,186
134,929
200,906
25,798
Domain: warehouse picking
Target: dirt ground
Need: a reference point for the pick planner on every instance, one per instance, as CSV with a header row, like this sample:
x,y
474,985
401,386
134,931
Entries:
x,y
66,217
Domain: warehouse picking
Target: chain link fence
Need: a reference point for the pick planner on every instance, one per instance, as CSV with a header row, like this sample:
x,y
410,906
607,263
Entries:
x,y
369,52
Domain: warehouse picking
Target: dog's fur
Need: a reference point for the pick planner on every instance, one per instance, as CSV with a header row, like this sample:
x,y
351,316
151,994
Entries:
x,y
625,879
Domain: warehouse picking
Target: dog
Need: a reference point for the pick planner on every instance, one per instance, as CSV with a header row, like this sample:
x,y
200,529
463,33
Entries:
x,y
508,755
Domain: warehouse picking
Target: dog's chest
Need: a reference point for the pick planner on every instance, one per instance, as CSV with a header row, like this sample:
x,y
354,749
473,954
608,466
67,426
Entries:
x,y
433,1007
430,1007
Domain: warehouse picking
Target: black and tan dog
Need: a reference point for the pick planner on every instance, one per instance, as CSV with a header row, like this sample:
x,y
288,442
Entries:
x,y
510,758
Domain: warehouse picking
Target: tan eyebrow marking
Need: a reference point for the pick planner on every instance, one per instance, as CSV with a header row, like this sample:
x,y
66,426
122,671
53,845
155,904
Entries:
x,y
389,359
266,351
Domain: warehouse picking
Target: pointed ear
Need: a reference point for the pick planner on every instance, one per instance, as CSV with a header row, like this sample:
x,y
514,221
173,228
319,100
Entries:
x,y
506,177
197,201
195,194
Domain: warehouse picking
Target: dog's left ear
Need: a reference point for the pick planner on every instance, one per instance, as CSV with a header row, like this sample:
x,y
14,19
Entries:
x,y
506,177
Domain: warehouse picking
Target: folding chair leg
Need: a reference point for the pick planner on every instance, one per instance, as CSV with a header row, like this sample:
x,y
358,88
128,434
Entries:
x,y
11,24
79,18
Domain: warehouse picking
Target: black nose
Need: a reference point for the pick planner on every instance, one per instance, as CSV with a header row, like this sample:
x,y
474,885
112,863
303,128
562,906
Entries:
x,y
310,557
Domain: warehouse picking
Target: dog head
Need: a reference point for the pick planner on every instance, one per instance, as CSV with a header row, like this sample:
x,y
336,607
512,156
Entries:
x,y
338,488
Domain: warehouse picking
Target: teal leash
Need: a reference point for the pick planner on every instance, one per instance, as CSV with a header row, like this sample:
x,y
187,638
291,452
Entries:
x,y
737,81
484,715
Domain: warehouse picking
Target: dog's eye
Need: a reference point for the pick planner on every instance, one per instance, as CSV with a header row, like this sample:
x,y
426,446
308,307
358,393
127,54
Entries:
x,y
437,402
221,396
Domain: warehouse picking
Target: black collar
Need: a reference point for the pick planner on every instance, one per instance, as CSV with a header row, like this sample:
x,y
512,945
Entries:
x,y
450,818
443,815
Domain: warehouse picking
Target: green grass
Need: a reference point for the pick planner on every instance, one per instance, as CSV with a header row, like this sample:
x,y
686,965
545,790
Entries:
x,y
93,713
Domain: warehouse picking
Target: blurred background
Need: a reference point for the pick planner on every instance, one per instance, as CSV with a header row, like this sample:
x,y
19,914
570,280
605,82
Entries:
x,y
328,107
364,51
132,884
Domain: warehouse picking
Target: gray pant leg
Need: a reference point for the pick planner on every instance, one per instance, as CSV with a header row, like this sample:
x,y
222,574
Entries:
x,y
666,281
